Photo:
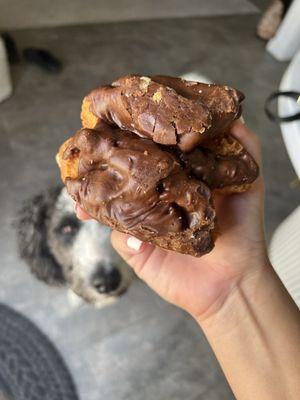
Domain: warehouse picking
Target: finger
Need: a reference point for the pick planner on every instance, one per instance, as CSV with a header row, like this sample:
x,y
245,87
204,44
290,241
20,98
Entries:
x,y
144,258
248,139
82,215
134,251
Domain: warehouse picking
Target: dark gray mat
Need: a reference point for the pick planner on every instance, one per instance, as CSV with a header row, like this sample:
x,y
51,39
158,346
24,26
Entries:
x,y
30,366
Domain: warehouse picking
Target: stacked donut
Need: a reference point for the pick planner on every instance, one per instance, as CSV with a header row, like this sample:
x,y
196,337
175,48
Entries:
x,y
150,156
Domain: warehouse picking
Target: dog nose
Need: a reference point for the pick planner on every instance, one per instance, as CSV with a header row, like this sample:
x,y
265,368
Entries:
x,y
106,281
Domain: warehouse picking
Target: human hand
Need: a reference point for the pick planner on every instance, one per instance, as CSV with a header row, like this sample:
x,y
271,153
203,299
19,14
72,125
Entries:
x,y
201,285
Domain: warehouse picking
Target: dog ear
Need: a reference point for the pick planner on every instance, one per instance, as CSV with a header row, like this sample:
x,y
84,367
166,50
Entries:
x,y
32,239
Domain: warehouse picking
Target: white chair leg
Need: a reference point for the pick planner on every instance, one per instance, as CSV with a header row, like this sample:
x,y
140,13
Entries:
x,y
5,80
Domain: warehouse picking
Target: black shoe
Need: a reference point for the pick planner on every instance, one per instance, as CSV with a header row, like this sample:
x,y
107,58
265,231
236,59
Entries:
x,y
43,59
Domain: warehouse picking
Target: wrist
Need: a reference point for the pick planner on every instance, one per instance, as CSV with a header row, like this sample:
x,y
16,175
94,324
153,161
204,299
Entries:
x,y
237,293
255,336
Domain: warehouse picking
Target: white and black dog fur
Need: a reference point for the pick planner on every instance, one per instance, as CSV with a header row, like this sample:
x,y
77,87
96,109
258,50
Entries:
x,y
60,249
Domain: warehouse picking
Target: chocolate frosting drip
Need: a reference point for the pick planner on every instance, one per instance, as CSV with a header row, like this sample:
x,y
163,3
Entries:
x,y
133,185
171,111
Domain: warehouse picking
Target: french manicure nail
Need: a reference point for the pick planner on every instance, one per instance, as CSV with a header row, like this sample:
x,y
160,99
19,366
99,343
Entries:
x,y
134,243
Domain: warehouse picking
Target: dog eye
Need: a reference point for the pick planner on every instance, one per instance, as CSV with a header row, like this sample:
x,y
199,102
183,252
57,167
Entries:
x,y
69,227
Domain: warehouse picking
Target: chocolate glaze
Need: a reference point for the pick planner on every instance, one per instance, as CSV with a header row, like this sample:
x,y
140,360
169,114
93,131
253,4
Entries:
x,y
159,192
134,185
220,171
169,110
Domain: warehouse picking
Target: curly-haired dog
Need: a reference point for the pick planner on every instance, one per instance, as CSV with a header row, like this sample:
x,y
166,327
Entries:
x,y
60,249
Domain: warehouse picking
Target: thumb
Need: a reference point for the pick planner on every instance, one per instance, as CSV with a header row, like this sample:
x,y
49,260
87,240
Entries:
x,y
144,258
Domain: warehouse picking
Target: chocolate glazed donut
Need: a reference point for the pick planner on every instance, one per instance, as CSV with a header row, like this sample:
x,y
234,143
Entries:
x,y
191,117
151,153
170,111
223,164
133,185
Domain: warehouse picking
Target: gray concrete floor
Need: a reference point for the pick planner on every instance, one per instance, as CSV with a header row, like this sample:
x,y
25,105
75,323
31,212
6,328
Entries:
x,y
38,13
139,347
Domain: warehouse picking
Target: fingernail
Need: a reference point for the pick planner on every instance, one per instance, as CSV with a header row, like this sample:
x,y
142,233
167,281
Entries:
x,y
134,243
75,208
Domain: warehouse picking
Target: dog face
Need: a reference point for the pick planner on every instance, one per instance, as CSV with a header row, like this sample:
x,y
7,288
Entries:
x,y
60,248
90,265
